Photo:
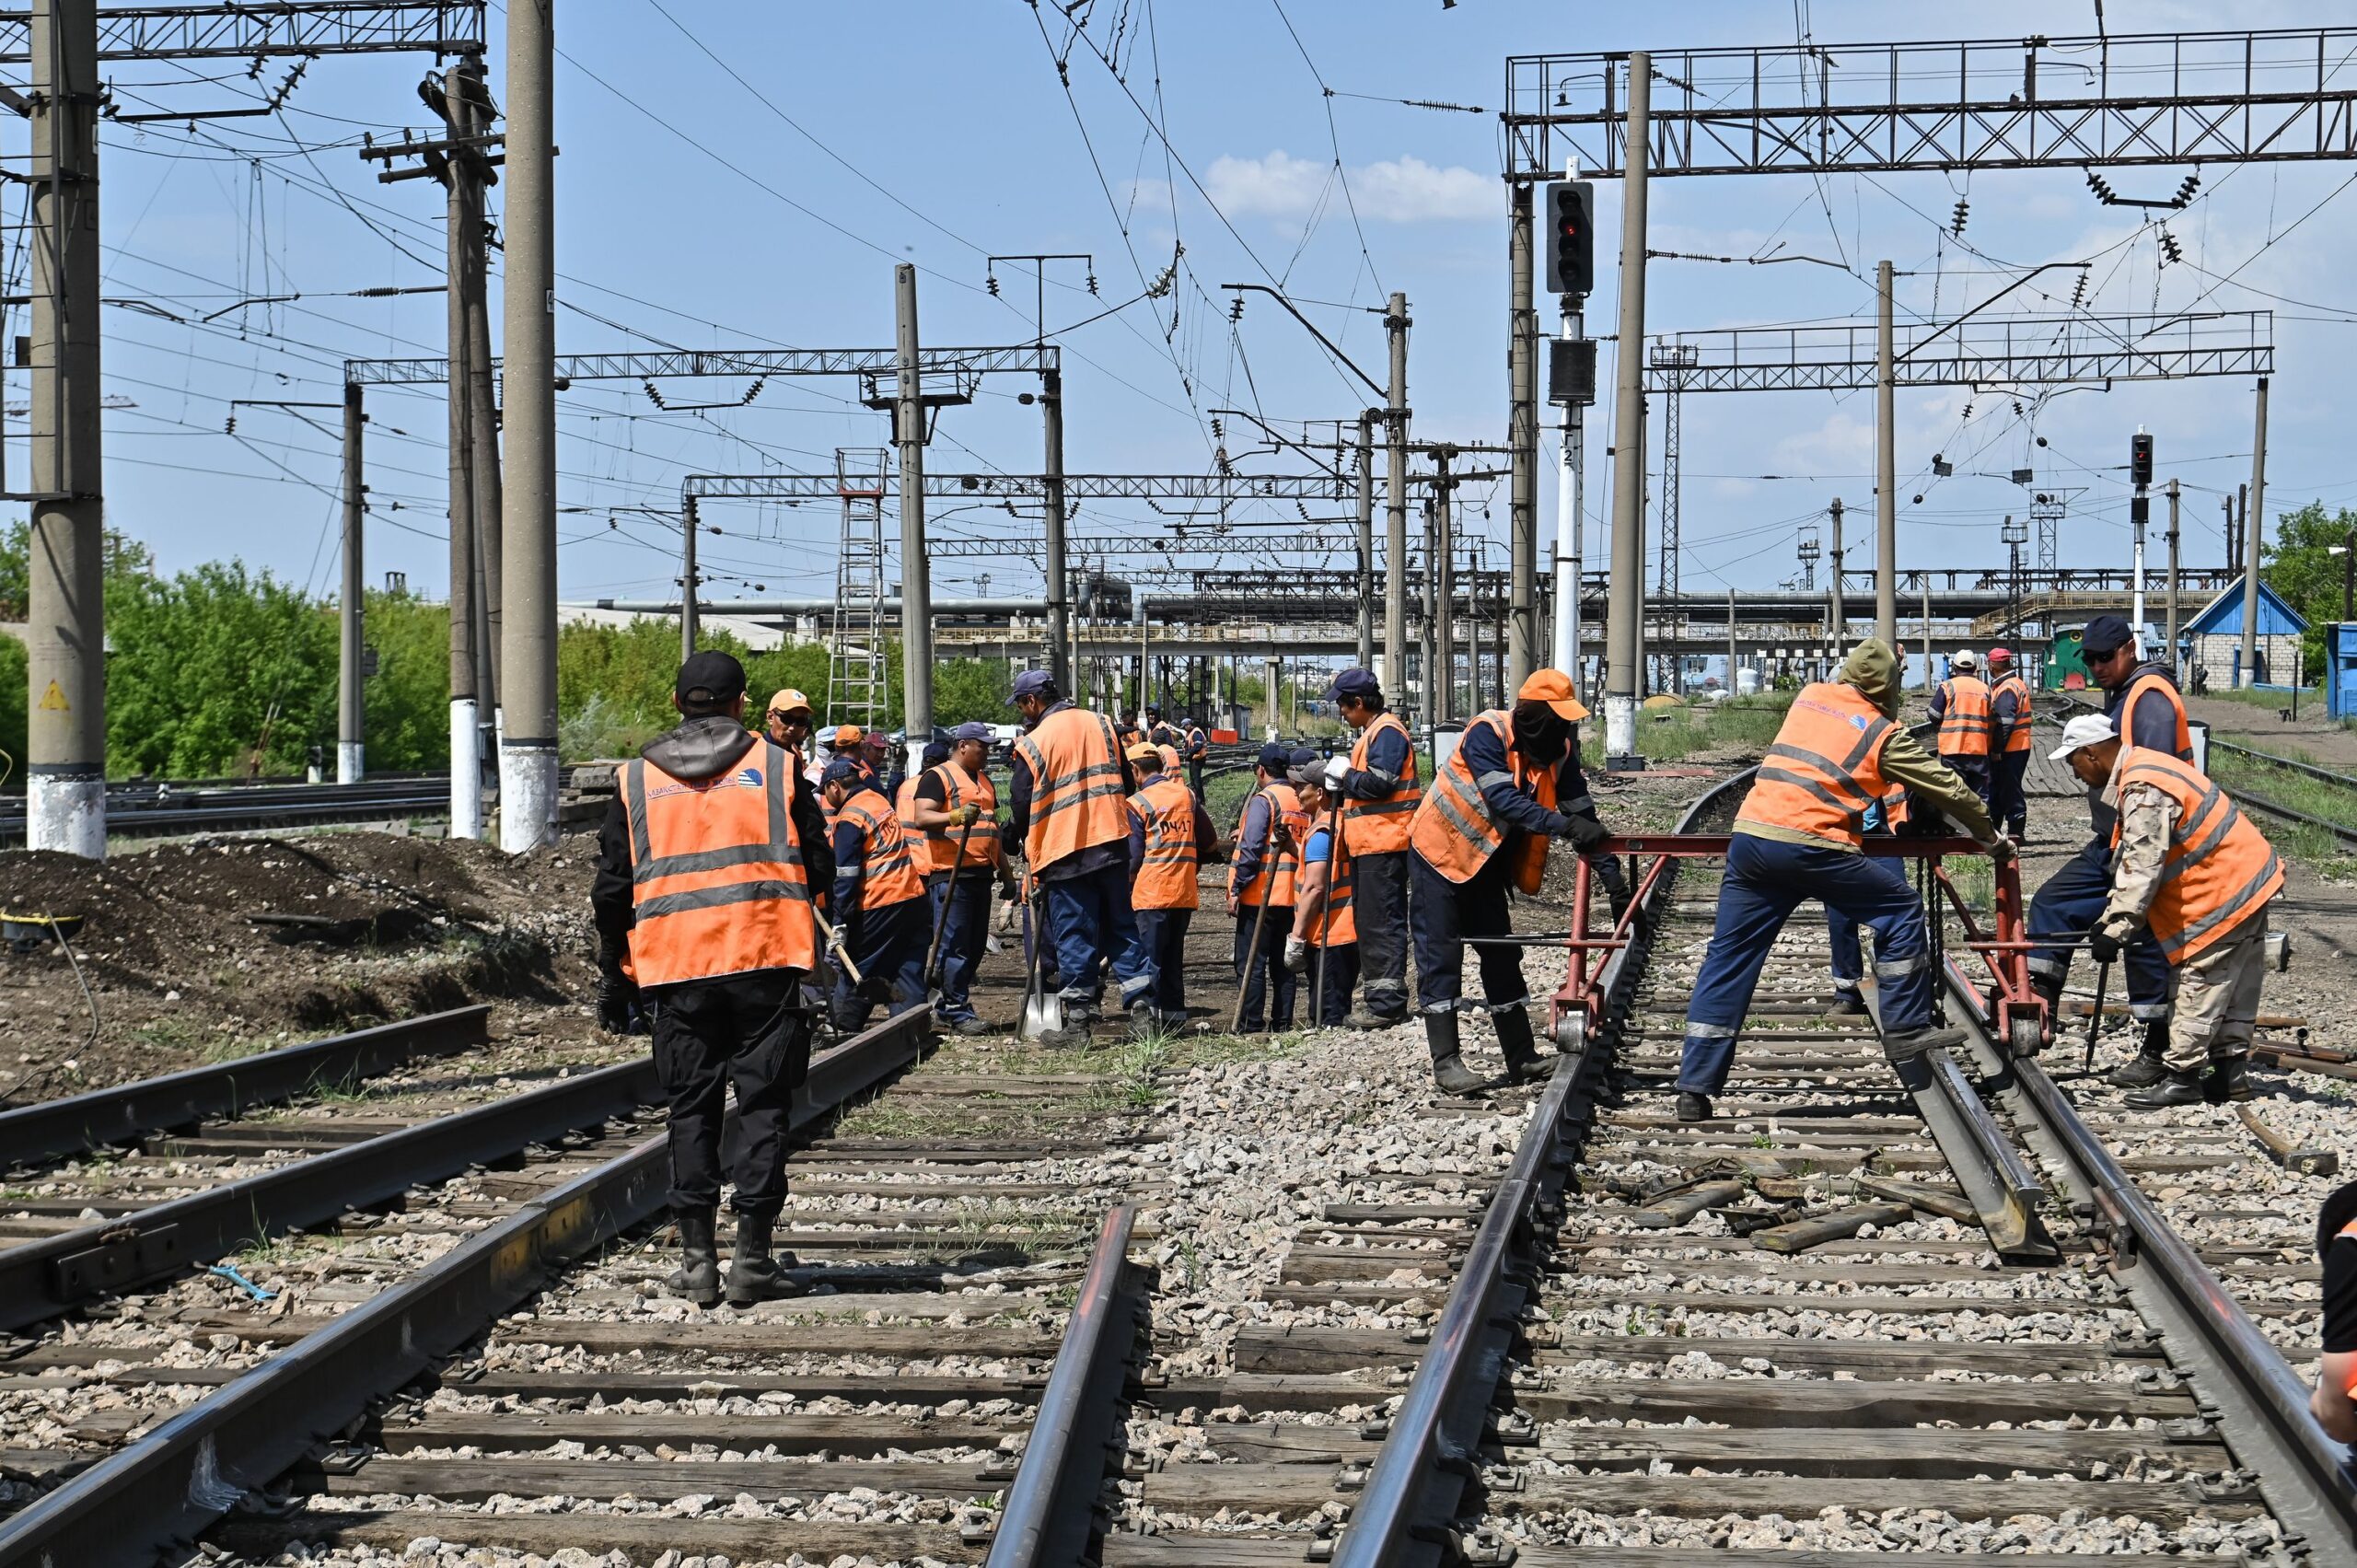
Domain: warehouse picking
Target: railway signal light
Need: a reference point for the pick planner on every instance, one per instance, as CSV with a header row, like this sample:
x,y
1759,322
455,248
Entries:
x,y
1571,236
2140,460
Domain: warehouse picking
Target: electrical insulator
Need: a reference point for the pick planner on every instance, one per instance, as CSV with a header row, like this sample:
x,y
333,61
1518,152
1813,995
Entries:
x,y
990,279
1235,309
1092,283
2169,249
2187,187
1963,211
2140,460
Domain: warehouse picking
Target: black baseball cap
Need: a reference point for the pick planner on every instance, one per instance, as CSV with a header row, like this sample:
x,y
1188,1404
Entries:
x,y
2106,635
709,680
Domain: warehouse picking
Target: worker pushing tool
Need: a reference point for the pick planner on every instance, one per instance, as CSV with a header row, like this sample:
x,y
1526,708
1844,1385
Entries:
x,y
2192,868
1380,793
2009,744
1261,882
1799,835
1480,831
1887,817
954,806
1961,708
1323,949
880,904
1171,836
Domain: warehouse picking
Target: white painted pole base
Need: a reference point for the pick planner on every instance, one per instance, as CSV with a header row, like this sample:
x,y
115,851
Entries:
x,y
466,771
526,798
1567,618
1620,733
350,763
66,813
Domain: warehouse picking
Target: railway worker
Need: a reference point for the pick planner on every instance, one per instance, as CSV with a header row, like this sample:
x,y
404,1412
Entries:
x,y
1324,946
1509,786
2334,1404
904,805
1130,732
880,904
1797,835
719,952
1888,816
953,802
1170,838
1195,744
2189,867
1379,792
2009,743
1262,875
787,723
1159,730
1960,707
886,760
2146,713
1067,807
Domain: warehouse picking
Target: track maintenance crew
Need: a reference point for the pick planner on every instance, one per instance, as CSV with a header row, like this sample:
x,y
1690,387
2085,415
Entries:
x,y
2192,868
1798,835
1380,793
2146,713
880,904
2009,744
1196,747
1171,837
1888,816
1325,913
1960,707
948,799
707,862
1505,788
1267,862
1067,808
2334,1404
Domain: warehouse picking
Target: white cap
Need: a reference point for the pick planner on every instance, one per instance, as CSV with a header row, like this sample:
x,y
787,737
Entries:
x,y
2083,731
1962,660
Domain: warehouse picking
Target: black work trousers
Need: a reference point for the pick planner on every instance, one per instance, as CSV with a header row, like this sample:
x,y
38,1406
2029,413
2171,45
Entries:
x,y
1262,970
1380,898
747,1029
1446,914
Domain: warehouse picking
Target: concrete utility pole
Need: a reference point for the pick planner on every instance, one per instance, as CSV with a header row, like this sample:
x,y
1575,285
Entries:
x,y
528,759
1837,616
463,221
351,725
1395,531
689,618
2254,525
916,593
1052,418
1366,537
1521,436
1885,467
482,406
1627,599
1440,676
1928,682
2171,652
65,806
1730,641
1273,673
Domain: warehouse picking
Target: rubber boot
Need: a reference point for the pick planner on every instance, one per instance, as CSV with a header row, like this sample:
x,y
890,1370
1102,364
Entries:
x,y
1449,1064
2149,1065
1915,1042
2173,1088
697,1279
753,1273
1525,1063
2230,1078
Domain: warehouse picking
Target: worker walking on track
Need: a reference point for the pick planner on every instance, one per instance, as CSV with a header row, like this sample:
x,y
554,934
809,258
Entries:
x,y
880,904
1170,838
1960,707
1480,832
1798,835
1067,807
1197,748
1323,949
1263,872
2009,744
953,804
1380,793
706,864
2189,867
2147,712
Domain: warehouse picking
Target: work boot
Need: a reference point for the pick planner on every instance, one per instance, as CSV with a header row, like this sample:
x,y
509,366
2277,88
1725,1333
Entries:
x,y
1449,1064
697,1279
1620,896
2048,988
1692,1106
1912,1043
753,1273
2150,1065
1847,1004
2230,1078
2173,1088
969,1026
1360,1018
1077,1033
1144,1021
1524,1063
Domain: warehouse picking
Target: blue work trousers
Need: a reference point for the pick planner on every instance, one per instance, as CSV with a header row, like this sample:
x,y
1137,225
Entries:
x,y
2008,800
1848,957
2068,904
1262,970
887,943
964,936
1331,1003
1091,924
1447,912
1973,770
1766,880
1165,934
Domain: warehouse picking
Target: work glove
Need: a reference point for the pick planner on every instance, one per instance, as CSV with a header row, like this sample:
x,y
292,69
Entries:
x,y
968,815
2003,848
1585,832
2103,946
617,1001
1297,955
1010,889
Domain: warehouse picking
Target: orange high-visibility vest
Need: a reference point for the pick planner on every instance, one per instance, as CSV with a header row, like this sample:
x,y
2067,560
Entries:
x,y
2146,688
2018,738
2219,869
1963,726
887,869
1338,924
1825,767
1284,804
1380,827
1452,828
976,790
904,809
1166,809
1076,796
1895,809
716,881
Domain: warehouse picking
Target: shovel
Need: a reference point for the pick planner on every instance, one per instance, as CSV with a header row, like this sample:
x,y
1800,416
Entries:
x,y
842,954
1259,922
1042,1014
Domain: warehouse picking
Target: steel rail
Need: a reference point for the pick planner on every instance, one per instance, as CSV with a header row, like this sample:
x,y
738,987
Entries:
x,y
160,1492
59,1128
1050,1510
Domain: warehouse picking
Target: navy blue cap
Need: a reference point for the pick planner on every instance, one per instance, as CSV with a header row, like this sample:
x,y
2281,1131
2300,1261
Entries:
x,y
2105,635
1031,682
1301,757
973,729
935,753
1355,683
1276,756
843,770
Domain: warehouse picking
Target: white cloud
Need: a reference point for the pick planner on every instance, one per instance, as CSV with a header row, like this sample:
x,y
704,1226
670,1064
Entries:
x,y
1406,190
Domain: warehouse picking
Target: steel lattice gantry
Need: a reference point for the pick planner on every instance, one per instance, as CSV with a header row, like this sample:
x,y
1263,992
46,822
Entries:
x,y
1034,358
1033,487
254,27
2227,96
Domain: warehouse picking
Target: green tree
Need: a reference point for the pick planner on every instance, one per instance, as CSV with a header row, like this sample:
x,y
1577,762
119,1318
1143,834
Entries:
x,y
2298,563
127,561
408,699
966,689
12,712
212,666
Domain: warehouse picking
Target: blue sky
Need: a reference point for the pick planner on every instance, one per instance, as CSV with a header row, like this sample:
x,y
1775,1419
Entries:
x,y
738,174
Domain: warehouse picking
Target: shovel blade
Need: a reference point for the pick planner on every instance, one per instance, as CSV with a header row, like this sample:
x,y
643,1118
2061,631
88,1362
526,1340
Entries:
x,y
1042,1014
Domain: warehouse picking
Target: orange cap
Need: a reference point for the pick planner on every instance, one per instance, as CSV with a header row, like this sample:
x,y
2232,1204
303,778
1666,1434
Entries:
x,y
846,735
789,700
1554,688
1140,751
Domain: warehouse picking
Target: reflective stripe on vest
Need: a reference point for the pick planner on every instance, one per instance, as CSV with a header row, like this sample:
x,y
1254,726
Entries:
x,y
2219,871
1338,924
1167,877
1964,725
940,852
716,881
886,872
1824,768
1077,800
2144,687
2018,738
1380,827
1285,806
1452,829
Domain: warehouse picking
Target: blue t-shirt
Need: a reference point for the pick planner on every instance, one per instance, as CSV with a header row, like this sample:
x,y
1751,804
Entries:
x,y
1319,848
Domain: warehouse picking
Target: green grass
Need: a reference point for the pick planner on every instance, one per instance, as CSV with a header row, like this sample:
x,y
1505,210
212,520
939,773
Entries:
x,y
2312,847
2310,696
1670,735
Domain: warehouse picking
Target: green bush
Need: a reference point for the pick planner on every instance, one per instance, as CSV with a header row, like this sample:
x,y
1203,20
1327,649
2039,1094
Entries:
x,y
12,713
213,668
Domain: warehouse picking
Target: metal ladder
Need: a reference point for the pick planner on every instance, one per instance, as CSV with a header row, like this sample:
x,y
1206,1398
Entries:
x,y
855,647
